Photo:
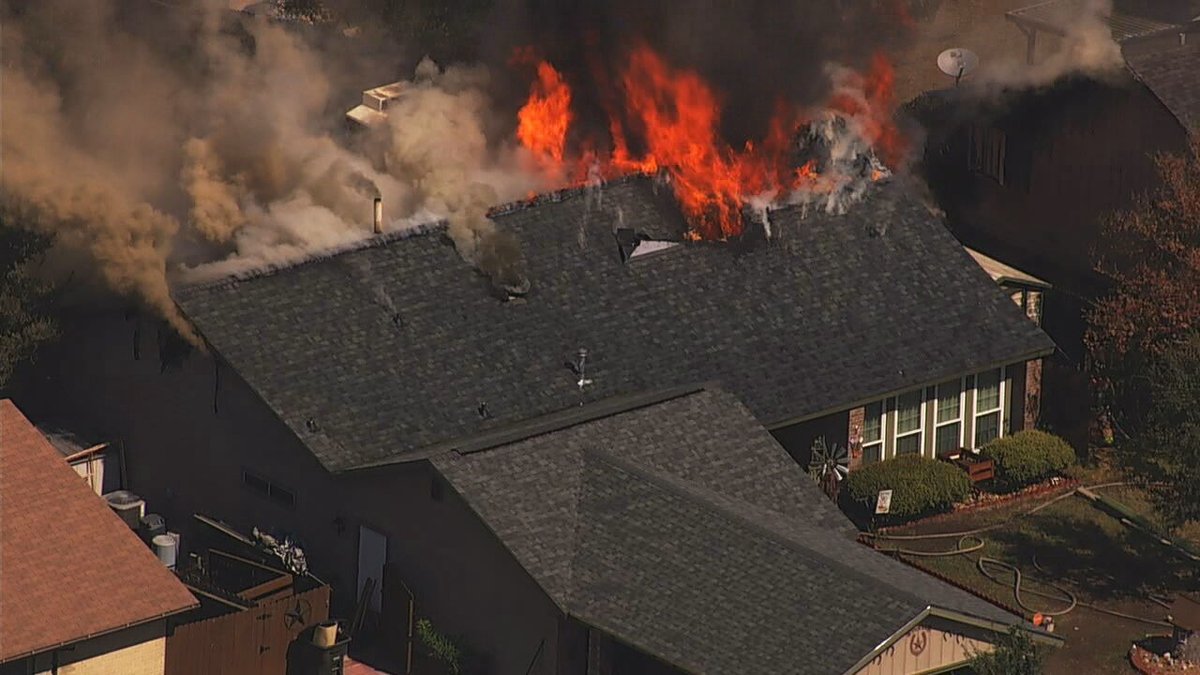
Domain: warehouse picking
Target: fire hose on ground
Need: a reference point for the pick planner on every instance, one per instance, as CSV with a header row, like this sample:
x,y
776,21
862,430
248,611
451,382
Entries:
x,y
969,541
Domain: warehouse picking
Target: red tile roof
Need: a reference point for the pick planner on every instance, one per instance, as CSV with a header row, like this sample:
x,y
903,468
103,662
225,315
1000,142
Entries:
x,y
69,568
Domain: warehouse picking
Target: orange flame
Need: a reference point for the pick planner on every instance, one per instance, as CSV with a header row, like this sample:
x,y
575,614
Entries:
x,y
545,118
675,116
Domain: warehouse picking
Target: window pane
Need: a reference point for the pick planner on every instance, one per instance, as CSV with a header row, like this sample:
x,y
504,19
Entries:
x,y
948,401
947,438
987,391
256,483
908,412
873,423
987,428
872,453
908,445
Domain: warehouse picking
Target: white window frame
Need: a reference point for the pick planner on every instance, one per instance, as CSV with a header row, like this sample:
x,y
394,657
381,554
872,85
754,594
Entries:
x,y
961,420
882,442
976,413
919,431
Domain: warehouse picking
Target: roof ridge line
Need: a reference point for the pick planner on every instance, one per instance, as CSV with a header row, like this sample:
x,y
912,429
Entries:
x,y
563,194
720,503
321,255
541,425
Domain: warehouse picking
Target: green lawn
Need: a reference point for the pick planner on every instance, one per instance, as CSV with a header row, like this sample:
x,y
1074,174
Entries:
x,y
1079,547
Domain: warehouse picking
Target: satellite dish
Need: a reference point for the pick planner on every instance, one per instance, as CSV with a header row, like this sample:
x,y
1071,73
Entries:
x,y
957,61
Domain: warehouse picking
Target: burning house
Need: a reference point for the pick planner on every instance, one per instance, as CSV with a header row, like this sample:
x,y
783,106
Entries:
x,y
336,394
487,415
1027,175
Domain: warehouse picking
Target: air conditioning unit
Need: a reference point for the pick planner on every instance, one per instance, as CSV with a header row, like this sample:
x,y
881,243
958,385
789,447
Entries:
x,y
151,526
166,548
130,507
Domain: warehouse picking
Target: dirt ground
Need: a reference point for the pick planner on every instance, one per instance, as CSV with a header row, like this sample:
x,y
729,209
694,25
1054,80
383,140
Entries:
x,y
978,25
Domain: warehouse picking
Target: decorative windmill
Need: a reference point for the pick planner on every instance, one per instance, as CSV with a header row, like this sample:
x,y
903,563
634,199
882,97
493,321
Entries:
x,y
829,466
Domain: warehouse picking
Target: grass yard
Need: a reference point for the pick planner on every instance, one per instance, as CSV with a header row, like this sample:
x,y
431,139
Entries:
x,y
1082,549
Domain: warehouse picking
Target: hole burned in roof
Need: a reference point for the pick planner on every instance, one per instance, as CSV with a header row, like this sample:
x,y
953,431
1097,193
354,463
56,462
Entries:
x,y
632,244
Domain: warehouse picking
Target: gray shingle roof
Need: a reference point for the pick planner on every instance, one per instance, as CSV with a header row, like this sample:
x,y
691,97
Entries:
x,y
684,529
1174,77
384,351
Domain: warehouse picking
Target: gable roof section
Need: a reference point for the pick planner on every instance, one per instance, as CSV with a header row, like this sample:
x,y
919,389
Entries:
x,y
684,529
398,347
57,537
1173,75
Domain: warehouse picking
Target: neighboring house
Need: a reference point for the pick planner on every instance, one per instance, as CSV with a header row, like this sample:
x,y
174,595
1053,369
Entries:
x,y
673,534
1136,25
97,463
79,593
1029,176
327,387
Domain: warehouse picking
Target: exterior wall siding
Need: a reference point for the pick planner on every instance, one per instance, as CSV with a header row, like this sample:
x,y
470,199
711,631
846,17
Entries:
x,y
1071,157
463,579
186,435
147,658
137,650
933,645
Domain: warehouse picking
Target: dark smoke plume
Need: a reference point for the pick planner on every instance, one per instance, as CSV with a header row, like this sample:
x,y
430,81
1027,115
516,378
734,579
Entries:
x,y
753,52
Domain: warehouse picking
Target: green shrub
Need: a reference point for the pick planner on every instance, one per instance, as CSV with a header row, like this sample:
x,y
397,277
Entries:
x,y
440,647
920,487
1027,457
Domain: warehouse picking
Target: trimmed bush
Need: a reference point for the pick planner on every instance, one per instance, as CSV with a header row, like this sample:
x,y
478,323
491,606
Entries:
x,y
919,486
1027,457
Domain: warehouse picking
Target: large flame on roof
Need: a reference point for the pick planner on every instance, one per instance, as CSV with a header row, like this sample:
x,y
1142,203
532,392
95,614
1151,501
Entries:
x,y
545,118
675,117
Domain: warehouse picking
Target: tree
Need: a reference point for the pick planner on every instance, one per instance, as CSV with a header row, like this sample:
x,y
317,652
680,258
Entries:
x,y
1014,654
1168,446
25,320
1151,253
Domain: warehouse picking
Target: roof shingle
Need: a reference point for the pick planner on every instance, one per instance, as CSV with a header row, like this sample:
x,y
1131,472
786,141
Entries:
x,y
684,529
69,568
1173,75
392,349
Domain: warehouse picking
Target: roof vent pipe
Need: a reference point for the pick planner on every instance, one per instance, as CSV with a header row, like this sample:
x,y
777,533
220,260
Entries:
x,y
378,215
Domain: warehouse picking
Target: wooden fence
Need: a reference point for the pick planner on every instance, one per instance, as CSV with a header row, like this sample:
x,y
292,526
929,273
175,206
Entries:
x,y
252,641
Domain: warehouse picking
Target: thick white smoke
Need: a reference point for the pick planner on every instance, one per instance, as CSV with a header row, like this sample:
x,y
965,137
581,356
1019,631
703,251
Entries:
x,y
215,150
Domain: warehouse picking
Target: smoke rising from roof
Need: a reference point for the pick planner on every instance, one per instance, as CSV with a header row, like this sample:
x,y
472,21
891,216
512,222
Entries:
x,y
1086,48
154,141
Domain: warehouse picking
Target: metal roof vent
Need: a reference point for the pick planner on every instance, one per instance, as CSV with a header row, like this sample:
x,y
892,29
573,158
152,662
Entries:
x,y
579,367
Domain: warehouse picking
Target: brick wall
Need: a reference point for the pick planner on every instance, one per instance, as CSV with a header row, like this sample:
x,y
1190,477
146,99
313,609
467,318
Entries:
x,y
1033,393
854,434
